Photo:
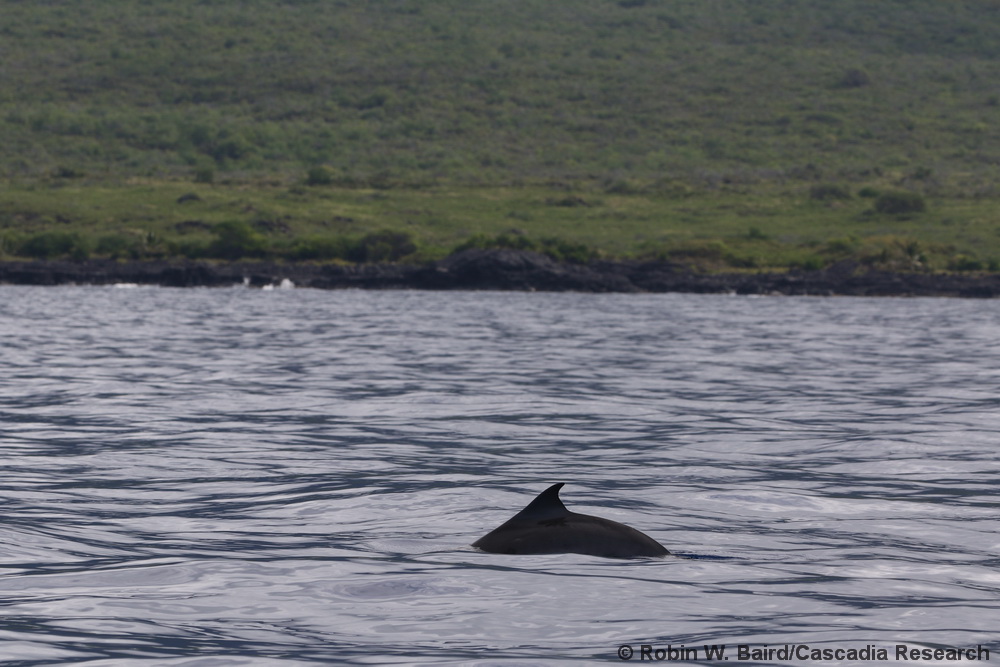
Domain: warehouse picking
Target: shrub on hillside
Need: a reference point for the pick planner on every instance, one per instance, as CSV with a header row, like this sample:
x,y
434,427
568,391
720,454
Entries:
x,y
117,246
67,172
381,246
894,253
514,240
321,248
899,203
841,247
234,240
319,175
53,244
811,263
855,78
965,263
190,248
568,251
558,249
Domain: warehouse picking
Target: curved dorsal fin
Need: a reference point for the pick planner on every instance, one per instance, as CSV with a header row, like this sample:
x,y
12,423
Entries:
x,y
546,506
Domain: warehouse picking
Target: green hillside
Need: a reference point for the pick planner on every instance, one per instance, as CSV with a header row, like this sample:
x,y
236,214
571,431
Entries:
x,y
683,120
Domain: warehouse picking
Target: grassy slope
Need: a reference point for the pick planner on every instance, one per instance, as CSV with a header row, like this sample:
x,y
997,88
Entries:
x,y
675,123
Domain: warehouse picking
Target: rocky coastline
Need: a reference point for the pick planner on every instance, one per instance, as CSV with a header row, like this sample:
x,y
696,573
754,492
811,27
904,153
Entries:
x,y
501,269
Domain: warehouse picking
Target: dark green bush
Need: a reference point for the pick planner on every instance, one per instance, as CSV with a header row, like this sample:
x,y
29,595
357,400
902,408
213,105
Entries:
x,y
812,263
229,146
855,78
558,249
319,175
899,203
67,172
118,246
321,248
567,251
965,263
49,245
380,246
190,248
236,239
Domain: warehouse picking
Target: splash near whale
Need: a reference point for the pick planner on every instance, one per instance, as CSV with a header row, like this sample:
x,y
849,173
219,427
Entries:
x,y
545,526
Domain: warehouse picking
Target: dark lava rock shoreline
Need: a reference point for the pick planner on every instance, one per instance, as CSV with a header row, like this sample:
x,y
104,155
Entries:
x,y
502,269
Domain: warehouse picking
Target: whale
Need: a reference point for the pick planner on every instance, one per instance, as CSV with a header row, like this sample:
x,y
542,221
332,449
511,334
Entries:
x,y
545,526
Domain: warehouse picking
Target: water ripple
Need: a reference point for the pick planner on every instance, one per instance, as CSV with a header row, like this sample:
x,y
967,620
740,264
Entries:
x,y
293,477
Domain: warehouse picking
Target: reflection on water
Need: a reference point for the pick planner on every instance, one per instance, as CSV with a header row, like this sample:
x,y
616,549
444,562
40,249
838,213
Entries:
x,y
293,477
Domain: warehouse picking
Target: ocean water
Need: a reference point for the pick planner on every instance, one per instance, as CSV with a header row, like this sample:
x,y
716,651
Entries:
x,y
219,477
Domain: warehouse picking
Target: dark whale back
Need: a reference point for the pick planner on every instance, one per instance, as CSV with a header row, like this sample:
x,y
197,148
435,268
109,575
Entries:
x,y
545,526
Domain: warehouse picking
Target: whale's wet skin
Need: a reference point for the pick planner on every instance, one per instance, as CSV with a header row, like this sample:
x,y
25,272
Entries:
x,y
239,477
545,526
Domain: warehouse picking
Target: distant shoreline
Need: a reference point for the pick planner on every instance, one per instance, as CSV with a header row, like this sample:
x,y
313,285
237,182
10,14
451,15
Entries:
x,y
501,269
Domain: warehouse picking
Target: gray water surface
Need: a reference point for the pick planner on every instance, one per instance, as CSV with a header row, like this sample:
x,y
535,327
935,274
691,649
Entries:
x,y
292,477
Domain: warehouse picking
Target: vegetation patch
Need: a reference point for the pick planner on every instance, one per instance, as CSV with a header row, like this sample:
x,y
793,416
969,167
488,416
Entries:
x,y
900,203
708,229
358,131
558,249
829,191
